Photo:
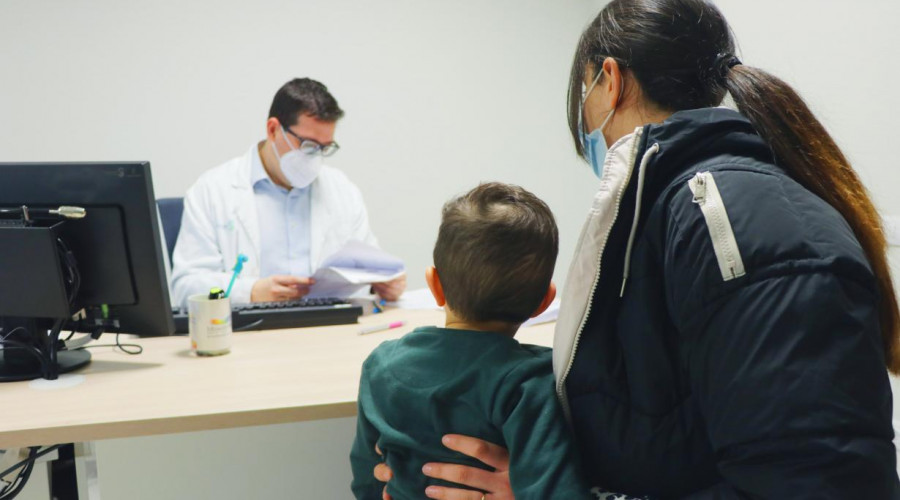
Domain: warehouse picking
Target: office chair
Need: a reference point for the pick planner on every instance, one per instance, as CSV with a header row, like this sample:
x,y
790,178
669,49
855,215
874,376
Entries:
x,y
170,210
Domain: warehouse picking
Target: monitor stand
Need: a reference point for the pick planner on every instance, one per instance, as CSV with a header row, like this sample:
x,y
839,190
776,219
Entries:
x,y
31,350
17,365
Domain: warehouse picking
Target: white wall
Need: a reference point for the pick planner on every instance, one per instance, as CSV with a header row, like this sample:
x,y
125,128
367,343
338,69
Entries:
x,y
840,57
439,95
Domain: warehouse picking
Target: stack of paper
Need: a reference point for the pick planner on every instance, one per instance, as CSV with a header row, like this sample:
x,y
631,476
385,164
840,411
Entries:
x,y
353,268
416,300
547,316
422,299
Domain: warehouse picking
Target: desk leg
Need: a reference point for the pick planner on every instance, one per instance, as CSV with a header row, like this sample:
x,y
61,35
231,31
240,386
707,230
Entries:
x,y
87,471
63,481
74,475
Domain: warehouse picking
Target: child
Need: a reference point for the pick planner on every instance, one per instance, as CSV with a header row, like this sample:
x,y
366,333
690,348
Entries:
x,y
493,262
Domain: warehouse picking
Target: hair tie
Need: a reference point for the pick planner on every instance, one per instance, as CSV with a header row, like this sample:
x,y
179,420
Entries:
x,y
723,63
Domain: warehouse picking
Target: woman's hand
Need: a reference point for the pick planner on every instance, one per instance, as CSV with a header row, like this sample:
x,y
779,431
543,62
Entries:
x,y
496,483
384,474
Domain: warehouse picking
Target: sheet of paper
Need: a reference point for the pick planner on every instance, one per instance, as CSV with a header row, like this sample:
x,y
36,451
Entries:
x,y
547,316
353,268
416,300
339,282
358,255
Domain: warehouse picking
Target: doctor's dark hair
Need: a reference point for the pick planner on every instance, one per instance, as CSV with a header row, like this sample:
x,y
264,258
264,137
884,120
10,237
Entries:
x,y
304,96
495,253
682,55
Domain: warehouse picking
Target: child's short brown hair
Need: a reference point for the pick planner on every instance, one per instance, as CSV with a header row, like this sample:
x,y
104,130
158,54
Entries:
x,y
495,253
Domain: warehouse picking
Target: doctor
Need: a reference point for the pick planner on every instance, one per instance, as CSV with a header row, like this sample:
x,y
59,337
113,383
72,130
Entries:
x,y
278,204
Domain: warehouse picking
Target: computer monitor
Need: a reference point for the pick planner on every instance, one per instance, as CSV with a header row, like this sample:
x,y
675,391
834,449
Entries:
x,y
119,272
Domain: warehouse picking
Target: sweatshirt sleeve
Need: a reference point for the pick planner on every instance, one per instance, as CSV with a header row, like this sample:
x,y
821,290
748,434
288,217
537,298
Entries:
x,y
543,459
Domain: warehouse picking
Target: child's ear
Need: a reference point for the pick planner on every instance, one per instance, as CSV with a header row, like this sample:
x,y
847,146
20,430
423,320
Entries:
x,y
548,299
434,284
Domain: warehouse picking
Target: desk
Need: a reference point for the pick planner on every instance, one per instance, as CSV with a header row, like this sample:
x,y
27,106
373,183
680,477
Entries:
x,y
270,377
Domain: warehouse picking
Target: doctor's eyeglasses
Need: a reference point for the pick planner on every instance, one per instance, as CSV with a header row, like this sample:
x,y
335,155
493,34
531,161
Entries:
x,y
311,147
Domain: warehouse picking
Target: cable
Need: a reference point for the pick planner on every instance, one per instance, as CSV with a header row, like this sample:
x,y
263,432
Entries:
x,y
17,484
32,456
71,345
249,326
18,210
30,348
138,349
21,478
14,330
15,487
51,345
33,349
71,265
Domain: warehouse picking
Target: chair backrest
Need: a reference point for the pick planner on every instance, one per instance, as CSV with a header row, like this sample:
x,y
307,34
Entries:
x,y
170,210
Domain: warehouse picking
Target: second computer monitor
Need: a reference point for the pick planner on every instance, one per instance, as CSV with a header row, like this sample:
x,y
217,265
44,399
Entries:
x,y
117,245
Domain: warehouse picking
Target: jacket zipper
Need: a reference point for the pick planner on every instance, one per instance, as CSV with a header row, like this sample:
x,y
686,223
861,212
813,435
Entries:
x,y
561,385
707,196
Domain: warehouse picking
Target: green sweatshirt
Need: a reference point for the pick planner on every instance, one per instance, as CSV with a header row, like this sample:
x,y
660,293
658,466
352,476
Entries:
x,y
437,381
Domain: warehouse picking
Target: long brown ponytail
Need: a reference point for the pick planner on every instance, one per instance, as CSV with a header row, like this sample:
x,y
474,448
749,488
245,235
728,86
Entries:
x,y
682,54
807,152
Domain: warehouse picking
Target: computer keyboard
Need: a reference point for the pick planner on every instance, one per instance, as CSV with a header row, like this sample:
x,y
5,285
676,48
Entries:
x,y
287,314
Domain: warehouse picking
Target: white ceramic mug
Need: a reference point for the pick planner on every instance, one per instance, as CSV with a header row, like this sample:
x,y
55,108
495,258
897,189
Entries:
x,y
210,325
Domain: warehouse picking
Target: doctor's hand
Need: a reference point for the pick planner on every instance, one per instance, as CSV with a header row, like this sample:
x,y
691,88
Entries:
x,y
280,287
391,290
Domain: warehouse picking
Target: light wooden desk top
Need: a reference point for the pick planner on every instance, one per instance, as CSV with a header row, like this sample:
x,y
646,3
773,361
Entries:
x,y
269,377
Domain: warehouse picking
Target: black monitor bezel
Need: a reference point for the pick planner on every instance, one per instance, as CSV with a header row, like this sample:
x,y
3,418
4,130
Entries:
x,y
124,184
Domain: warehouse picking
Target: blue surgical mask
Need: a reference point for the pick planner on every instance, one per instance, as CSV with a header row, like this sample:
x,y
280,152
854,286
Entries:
x,y
595,149
594,143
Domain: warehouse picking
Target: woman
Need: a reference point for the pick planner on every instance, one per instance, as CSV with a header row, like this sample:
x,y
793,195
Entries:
x,y
729,314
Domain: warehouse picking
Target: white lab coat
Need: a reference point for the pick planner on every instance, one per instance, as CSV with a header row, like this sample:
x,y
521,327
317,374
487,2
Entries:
x,y
220,221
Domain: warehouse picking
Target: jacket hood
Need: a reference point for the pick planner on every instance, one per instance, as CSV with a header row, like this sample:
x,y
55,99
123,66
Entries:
x,y
688,138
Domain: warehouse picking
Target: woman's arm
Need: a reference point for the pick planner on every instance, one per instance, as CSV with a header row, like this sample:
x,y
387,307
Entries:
x,y
785,363
794,391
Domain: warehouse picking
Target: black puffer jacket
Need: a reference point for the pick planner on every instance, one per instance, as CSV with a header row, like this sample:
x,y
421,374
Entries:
x,y
751,367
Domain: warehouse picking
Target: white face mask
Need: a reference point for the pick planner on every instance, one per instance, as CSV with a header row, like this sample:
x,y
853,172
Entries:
x,y
299,167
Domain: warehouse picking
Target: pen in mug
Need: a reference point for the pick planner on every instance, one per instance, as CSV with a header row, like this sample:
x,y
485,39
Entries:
x,y
381,328
238,267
